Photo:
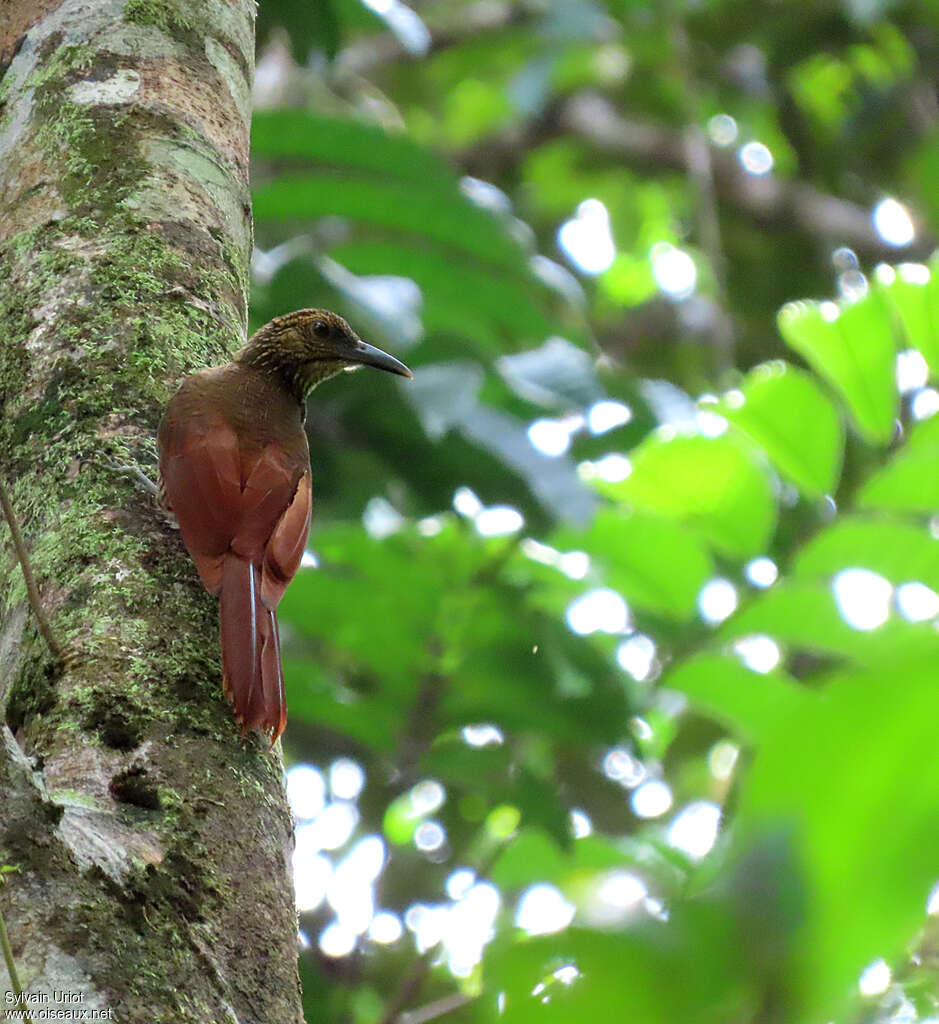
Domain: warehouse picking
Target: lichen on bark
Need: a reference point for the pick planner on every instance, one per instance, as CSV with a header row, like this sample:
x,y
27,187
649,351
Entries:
x,y
151,840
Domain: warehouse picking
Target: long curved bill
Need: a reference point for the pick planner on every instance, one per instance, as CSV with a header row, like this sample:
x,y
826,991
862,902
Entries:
x,y
368,355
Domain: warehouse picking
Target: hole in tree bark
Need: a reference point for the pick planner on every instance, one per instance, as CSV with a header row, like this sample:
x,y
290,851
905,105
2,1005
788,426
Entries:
x,y
114,728
134,786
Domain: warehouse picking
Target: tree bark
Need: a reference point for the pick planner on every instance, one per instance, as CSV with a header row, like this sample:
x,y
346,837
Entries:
x,y
150,841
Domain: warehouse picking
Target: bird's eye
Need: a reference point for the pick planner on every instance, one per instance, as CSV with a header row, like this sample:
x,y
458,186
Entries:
x,y
321,329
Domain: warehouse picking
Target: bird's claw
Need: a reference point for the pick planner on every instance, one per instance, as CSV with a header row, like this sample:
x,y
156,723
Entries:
x,y
137,474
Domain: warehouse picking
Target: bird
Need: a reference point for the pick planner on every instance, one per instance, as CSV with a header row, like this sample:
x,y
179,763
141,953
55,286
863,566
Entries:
x,y
235,474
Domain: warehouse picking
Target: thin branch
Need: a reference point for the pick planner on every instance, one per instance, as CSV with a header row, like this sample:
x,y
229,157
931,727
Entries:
x,y
410,984
701,174
643,143
31,589
436,1009
413,981
11,969
418,728
767,198
369,55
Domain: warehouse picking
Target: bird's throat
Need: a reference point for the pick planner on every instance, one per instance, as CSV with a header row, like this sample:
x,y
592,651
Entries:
x,y
287,365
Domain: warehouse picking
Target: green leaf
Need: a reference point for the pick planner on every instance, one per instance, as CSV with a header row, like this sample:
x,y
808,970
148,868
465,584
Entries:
x,y
533,856
909,483
859,802
557,375
438,215
494,311
804,615
793,420
913,295
714,485
751,703
657,564
553,481
491,771
852,347
353,146
309,24
649,974
322,701
899,551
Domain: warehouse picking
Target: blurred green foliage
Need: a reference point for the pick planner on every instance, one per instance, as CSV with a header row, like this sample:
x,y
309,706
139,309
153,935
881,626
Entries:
x,y
632,551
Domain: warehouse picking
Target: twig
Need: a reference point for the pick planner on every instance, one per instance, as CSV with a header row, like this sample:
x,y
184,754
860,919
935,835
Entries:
x,y
410,985
474,20
413,981
438,1008
11,966
31,589
416,734
701,174
767,198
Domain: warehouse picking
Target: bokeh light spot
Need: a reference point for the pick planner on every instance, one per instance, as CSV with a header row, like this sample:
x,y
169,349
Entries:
x,y
755,158
758,652
761,572
542,910
598,611
306,790
694,829
587,240
652,799
674,271
917,602
717,600
893,223
636,655
863,598
346,778
875,979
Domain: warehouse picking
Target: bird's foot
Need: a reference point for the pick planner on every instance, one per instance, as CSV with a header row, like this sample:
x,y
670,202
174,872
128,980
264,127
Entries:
x,y
137,475
146,484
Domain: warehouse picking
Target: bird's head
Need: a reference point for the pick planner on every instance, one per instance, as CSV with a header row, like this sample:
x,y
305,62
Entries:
x,y
309,346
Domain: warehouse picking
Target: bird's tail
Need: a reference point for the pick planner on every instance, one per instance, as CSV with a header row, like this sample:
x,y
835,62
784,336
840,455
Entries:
x,y
251,671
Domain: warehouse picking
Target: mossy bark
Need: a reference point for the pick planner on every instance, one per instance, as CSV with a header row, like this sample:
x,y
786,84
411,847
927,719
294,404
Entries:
x,y
150,841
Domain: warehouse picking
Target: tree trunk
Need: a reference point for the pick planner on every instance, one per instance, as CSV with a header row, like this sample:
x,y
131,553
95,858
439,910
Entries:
x,y
150,842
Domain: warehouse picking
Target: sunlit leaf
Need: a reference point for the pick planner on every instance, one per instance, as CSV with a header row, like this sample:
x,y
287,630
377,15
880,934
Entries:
x,y
656,971
912,291
805,616
859,802
557,375
653,561
714,485
534,857
751,703
899,551
553,481
793,420
908,483
433,214
852,346
464,299
344,143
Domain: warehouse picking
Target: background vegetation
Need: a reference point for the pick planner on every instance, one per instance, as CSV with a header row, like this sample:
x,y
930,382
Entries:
x,y
613,672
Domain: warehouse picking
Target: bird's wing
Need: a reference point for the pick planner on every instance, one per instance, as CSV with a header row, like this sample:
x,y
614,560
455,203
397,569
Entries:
x,y
285,548
228,500
200,466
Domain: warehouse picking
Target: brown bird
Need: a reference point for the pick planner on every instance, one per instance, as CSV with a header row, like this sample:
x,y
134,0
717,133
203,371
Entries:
x,y
235,471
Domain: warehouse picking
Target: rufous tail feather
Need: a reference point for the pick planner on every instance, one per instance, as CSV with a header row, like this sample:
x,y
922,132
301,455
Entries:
x,y
251,670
